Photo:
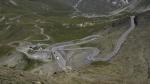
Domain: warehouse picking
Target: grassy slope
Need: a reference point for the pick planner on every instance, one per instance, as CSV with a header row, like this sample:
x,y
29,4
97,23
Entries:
x,y
130,66
23,29
10,76
144,3
32,6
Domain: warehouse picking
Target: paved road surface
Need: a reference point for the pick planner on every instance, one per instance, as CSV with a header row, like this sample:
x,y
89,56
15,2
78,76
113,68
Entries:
x,y
42,32
76,8
2,18
59,57
55,50
119,43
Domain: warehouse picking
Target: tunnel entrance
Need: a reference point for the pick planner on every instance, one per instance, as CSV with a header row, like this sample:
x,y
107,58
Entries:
x,y
136,20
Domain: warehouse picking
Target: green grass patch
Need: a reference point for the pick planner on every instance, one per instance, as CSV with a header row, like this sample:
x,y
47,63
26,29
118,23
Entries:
x,y
100,63
4,49
31,63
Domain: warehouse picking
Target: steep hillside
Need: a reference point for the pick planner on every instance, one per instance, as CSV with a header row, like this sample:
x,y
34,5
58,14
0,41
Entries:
x,y
130,66
35,30
33,6
10,76
142,6
99,7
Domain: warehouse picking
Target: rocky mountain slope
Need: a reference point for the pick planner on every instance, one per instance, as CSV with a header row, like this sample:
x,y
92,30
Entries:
x,y
36,22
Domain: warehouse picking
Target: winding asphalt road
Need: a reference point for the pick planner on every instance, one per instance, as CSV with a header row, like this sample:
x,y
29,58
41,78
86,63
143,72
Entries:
x,y
59,57
118,45
42,32
62,62
55,49
76,6
2,18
